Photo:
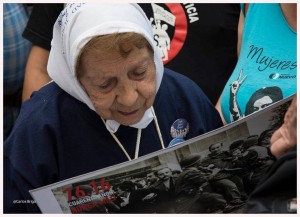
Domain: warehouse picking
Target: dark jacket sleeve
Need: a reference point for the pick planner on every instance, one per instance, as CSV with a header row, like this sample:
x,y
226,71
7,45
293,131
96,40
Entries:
x,y
30,161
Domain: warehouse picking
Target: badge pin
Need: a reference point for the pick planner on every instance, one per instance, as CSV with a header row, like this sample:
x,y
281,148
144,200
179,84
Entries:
x,y
179,130
175,141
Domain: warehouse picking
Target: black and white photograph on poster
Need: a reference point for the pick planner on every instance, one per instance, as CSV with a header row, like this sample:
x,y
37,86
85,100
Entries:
x,y
213,173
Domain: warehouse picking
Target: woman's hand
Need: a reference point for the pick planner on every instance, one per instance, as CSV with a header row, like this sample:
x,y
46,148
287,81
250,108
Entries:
x,y
285,137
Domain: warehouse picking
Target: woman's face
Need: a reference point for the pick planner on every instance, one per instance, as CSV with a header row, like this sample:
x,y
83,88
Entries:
x,y
120,88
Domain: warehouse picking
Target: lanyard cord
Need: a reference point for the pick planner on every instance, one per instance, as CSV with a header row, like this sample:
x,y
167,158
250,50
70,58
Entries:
x,y
157,128
138,139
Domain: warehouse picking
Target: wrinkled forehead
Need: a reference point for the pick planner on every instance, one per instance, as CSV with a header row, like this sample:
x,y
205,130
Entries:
x,y
121,43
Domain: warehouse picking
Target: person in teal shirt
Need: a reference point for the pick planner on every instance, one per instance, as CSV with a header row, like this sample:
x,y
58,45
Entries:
x,y
266,70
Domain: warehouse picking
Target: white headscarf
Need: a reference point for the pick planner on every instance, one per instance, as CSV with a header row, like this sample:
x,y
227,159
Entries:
x,y
77,24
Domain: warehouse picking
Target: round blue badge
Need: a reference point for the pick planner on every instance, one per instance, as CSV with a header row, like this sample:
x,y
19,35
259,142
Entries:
x,y
180,128
175,141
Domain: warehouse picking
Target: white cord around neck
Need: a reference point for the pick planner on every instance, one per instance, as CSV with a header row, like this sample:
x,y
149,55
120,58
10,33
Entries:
x,y
138,139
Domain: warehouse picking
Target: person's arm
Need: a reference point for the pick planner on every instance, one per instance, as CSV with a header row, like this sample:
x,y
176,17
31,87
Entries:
x,y
36,74
289,11
240,33
284,138
218,107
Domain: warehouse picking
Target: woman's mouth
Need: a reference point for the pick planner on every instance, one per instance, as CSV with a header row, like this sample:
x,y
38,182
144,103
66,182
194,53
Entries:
x,y
128,113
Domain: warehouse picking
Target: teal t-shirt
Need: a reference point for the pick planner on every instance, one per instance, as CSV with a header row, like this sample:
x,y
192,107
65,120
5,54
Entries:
x,y
267,67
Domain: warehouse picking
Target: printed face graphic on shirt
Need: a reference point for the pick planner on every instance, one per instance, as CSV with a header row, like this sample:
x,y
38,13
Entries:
x,y
170,26
262,103
260,99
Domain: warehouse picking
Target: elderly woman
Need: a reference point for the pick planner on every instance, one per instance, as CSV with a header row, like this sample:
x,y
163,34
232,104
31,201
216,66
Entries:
x,y
110,101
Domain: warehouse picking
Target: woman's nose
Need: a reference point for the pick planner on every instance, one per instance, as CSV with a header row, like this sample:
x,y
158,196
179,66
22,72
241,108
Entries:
x,y
127,94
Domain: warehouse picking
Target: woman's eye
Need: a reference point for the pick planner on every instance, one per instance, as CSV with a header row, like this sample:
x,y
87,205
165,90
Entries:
x,y
104,86
107,85
139,74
